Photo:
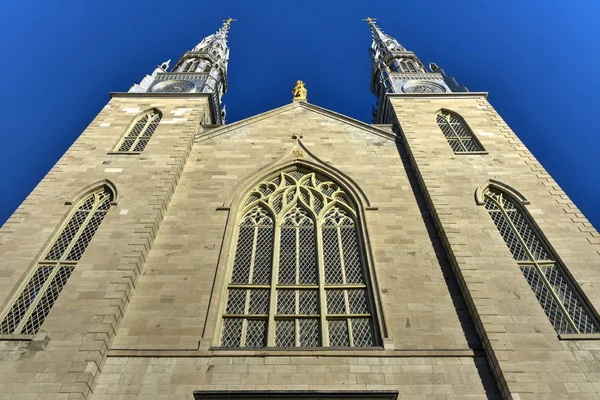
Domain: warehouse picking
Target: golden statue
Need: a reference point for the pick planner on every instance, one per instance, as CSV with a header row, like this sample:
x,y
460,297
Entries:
x,y
299,91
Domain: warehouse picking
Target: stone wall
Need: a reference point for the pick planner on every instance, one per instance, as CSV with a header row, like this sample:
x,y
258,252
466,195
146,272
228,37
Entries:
x,y
64,358
528,358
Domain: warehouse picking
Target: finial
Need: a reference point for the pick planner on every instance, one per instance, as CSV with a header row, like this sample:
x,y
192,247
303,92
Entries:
x,y
299,91
370,20
228,21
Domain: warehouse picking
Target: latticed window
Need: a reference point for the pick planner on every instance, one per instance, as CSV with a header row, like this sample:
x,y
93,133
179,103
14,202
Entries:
x,y
140,132
30,308
298,277
555,292
458,134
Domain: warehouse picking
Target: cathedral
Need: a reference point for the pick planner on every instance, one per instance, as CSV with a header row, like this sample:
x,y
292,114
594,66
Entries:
x,y
299,253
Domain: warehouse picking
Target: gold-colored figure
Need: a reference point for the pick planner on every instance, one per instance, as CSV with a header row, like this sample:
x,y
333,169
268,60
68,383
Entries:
x,y
299,91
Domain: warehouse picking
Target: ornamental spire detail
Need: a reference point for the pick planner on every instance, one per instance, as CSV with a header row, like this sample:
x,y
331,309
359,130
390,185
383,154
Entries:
x,y
203,69
396,70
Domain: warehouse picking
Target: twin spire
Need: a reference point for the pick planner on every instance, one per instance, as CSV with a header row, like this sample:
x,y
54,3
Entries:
x,y
203,69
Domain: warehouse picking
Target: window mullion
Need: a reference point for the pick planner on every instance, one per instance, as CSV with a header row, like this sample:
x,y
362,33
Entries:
x,y
322,296
253,255
297,229
141,133
35,302
341,250
556,297
273,289
537,267
75,238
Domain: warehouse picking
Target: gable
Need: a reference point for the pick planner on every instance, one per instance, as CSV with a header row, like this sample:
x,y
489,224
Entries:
x,y
295,119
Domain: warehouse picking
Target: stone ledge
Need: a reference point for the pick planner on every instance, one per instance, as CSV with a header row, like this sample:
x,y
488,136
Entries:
x,y
151,94
579,336
376,352
442,95
26,338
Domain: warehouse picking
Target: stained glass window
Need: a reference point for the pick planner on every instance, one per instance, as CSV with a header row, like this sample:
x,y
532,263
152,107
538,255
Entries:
x,y
457,133
298,275
565,309
28,311
139,133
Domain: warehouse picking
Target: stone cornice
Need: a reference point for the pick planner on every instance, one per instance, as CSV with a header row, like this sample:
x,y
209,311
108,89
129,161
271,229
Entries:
x,y
450,95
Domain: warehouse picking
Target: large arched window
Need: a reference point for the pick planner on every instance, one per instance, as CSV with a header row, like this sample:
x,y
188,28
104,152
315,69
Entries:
x,y
298,277
458,134
565,309
140,131
29,309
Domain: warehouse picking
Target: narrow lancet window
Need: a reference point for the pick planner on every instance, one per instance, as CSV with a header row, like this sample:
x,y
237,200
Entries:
x,y
459,135
28,311
298,277
139,133
565,309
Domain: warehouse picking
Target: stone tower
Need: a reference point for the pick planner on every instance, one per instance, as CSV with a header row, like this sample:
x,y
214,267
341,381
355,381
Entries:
x,y
395,69
299,253
200,70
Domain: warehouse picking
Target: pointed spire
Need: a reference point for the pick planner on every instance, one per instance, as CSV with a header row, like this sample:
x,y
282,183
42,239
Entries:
x,y
381,41
219,36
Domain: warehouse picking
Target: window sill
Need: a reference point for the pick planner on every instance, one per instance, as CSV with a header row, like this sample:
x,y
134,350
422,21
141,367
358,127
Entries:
x,y
132,153
26,338
579,336
460,153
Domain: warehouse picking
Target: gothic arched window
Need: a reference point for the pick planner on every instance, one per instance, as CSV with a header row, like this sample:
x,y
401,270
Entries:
x,y
29,309
565,309
140,131
298,277
457,132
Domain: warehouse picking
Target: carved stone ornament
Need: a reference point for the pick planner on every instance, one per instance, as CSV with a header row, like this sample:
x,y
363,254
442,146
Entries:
x,y
173,86
422,87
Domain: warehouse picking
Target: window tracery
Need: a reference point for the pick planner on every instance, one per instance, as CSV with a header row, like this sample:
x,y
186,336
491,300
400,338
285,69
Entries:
x,y
28,311
140,132
458,134
565,309
298,277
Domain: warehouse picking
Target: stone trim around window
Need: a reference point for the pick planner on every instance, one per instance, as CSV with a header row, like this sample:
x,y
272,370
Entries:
x,y
295,394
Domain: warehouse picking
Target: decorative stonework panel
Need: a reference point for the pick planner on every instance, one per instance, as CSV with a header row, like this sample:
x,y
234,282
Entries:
x,y
422,87
173,86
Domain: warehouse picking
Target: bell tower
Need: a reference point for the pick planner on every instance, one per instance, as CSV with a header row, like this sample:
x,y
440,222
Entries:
x,y
203,69
394,69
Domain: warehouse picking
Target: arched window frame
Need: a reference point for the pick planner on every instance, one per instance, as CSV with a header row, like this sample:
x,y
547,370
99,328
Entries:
x,y
346,204
26,312
558,295
139,132
457,132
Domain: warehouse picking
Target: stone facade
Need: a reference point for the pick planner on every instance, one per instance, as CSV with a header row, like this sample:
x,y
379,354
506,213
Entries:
x,y
140,314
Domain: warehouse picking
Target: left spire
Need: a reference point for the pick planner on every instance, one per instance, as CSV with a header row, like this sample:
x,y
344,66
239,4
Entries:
x,y
200,70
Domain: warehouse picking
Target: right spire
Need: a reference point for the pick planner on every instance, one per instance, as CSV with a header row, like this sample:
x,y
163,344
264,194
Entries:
x,y
394,69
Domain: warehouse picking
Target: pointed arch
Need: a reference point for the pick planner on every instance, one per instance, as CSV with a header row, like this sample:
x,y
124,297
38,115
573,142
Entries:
x,y
494,185
28,310
309,162
546,275
458,134
107,184
139,132
315,232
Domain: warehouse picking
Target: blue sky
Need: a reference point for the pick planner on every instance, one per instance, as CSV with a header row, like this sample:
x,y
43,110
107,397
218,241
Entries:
x,y
538,59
